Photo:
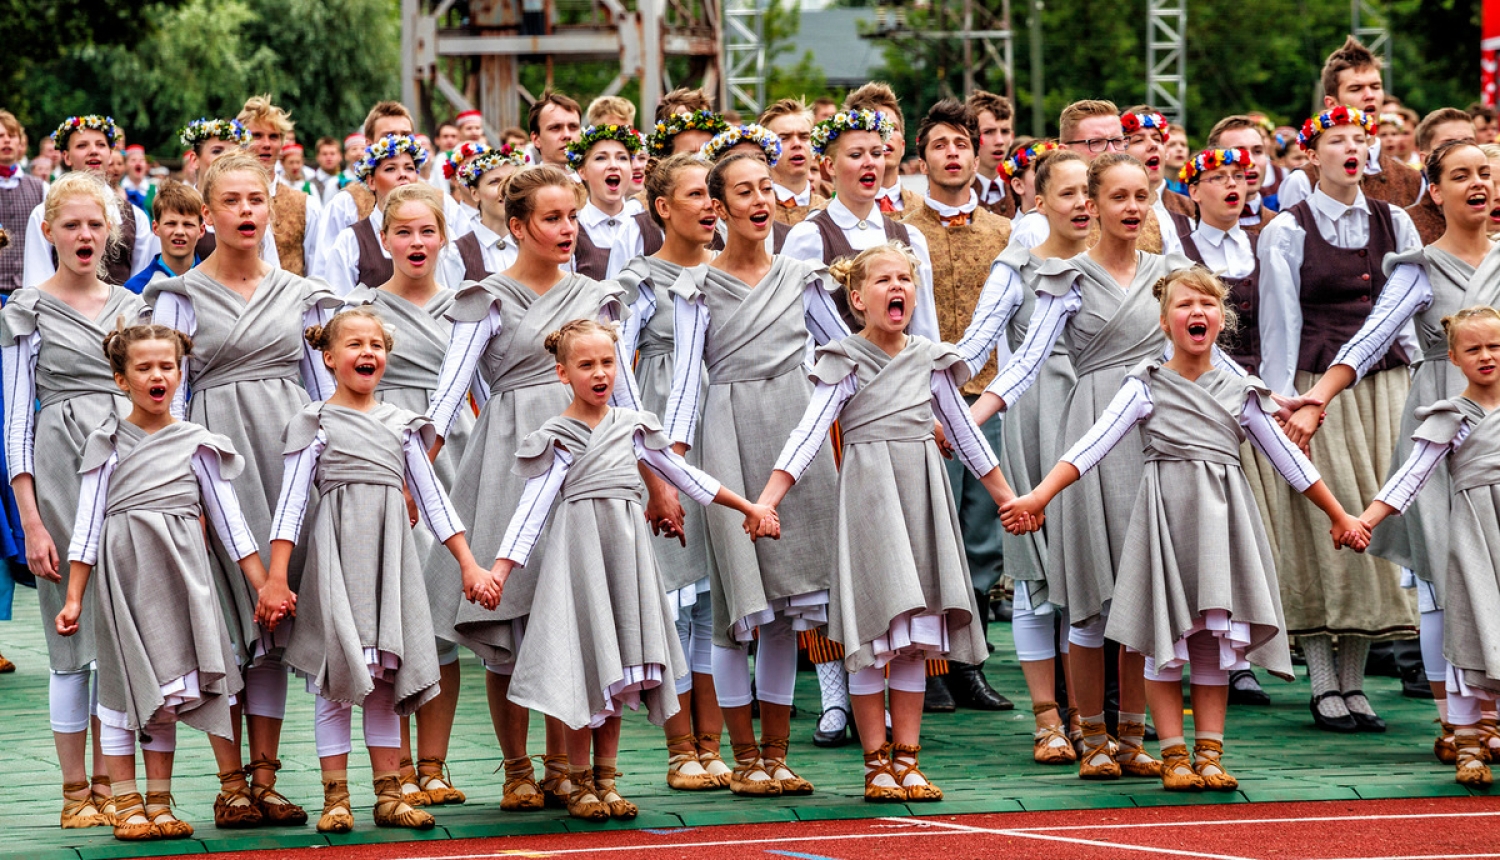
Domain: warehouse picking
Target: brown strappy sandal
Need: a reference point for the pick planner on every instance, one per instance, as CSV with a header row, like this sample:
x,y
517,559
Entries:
x,y
555,772
167,824
128,806
411,787
709,757
1050,744
922,792
1206,755
1470,770
747,764
338,816
78,813
277,810
6,665
1096,745
878,762
520,773
676,779
604,788
105,803
1177,772
1131,751
436,783
775,765
584,802
1445,747
229,815
392,810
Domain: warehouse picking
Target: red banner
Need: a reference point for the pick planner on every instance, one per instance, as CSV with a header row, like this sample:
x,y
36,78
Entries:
x,y
1489,52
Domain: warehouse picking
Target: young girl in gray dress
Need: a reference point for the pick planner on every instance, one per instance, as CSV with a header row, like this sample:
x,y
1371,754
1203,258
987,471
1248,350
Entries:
x,y
163,645
1464,432
366,632
901,592
1196,582
50,333
600,612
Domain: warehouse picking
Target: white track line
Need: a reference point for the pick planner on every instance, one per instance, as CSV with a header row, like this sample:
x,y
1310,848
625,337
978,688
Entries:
x,y
1254,821
725,843
1093,843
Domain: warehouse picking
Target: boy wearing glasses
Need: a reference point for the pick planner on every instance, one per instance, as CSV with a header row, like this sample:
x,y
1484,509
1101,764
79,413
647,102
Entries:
x,y
1091,128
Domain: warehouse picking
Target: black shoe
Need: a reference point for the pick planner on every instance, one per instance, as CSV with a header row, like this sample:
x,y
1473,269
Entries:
x,y
939,700
840,738
1251,693
1414,684
1381,662
973,691
1342,725
1364,722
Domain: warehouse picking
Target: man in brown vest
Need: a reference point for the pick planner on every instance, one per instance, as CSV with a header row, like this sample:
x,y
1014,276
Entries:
x,y
1443,125
791,122
963,239
19,194
997,129
294,215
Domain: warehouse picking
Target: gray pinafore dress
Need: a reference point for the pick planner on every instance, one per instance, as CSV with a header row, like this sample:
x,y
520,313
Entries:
x,y
898,551
601,635
363,598
78,394
758,389
159,616
1197,542
524,394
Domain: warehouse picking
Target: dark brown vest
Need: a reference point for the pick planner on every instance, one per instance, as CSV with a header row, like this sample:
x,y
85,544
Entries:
x,y
473,257
836,247
1006,207
1177,203
1278,176
1244,297
589,259
15,210
206,245
1396,183
1266,216
1339,287
375,268
1429,218
651,235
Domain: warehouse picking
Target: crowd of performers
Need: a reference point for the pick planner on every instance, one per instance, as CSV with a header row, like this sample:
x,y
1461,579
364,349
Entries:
x,y
571,411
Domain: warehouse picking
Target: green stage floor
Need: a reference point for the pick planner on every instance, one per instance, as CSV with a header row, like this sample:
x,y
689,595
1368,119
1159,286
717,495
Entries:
x,y
981,760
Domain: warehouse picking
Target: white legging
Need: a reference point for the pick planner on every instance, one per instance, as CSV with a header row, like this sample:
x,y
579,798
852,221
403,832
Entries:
x,y
333,722
265,691
1434,664
1036,636
71,700
695,630
1203,657
775,668
159,735
908,674
1089,634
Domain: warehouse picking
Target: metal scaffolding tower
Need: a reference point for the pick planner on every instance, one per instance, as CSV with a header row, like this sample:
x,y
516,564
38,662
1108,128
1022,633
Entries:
x,y
744,56
1166,58
982,27
1369,23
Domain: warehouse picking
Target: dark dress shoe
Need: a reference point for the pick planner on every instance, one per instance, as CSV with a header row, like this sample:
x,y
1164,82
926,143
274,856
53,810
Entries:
x,y
1342,725
973,691
938,699
1365,722
842,737
1248,694
1414,685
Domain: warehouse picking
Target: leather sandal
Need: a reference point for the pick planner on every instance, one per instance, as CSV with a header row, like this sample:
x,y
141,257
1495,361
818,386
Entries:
x,y
1206,763
129,806
6,665
1445,748
775,764
1470,770
748,765
436,783
392,810
1489,737
274,806
411,788
337,815
105,803
554,778
228,814
921,792
604,789
709,744
878,762
679,781
80,813
1096,758
584,802
1131,751
1177,772
167,824
1050,744
519,773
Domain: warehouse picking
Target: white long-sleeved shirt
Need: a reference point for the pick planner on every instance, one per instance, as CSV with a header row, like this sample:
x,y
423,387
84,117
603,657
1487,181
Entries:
x,y
1002,296
301,467
37,265
220,503
1403,487
174,310
19,360
1226,254
691,321
1296,187
1281,252
1406,293
1171,242
804,242
340,263
828,402
1134,404
342,211
541,491
499,253
1030,230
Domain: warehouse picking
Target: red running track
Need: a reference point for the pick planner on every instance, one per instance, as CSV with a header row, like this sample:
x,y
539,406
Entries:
x,y
1414,829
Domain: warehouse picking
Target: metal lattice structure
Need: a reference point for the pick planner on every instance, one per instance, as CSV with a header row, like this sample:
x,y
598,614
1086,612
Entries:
x,y
1166,58
982,27
1369,23
744,56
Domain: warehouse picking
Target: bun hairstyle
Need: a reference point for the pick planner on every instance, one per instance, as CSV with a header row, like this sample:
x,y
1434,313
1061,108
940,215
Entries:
x,y
1199,280
1454,322
321,337
851,272
560,342
1103,164
1434,167
716,176
661,179
118,342
416,192
522,188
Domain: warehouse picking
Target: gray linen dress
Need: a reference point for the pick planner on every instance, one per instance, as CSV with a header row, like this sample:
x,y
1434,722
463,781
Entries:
x,y
153,583
898,548
524,393
362,586
78,394
599,616
758,390
1197,541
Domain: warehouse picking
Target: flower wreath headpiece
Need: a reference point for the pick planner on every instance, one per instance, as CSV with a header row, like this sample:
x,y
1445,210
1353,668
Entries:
x,y
1341,115
1212,159
1394,119
93,121
386,148
200,130
748,133
1026,157
596,133
1133,123
827,131
462,153
474,169
660,142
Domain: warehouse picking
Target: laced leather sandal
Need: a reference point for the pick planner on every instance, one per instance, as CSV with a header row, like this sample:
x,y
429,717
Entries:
x,y
437,783
103,802
130,806
709,757
519,774
1489,737
922,792
1096,758
791,783
337,815
554,778
1471,770
1177,772
274,806
6,666
167,824
584,802
81,812
679,781
878,763
748,765
1206,755
1050,744
1131,751
1445,748
411,789
230,815
604,789
392,810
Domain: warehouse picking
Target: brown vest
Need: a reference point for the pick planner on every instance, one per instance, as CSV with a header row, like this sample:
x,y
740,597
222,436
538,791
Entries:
x,y
1339,287
589,259
375,268
206,245
1005,208
1429,218
961,259
1244,297
1278,176
364,198
794,214
1396,183
651,235
15,210
473,257
836,247
1181,204
289,228
1266,216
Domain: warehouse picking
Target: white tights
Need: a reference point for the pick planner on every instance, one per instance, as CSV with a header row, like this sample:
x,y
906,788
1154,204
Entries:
x,y
695,630
71,700
908,674
1203,656
775,668
333,722
159,735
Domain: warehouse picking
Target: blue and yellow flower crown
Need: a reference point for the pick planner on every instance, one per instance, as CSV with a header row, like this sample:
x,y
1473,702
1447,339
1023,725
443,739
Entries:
x,y
389,147
1025,158
72,124
596,133
474,169
827,131
200,130
660,142
748,133
1212,159
1341,115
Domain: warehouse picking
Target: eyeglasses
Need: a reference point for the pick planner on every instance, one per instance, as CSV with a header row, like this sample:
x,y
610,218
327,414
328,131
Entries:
x,y
1237,178
1099,144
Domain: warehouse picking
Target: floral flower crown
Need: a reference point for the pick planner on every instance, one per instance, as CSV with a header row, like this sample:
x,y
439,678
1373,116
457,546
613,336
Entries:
x,y
748,133
1026,157
458,156
201,130
1394,119
1212,159
660,142
386,148
1341,115
1132,123
105,124
827,131
598,133
473,169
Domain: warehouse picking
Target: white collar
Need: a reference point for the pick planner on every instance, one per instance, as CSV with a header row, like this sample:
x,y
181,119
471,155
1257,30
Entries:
x,y
846,220
592,216
946,211
1332,209
1215,237
1254,204
1372,165
801,199
376,219
891,193
489,238
127,182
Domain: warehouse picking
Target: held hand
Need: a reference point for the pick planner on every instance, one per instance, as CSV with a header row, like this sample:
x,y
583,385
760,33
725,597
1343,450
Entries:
x,y
1350,531
41,554
276,601
479,586
762,522
944,446
1022,515
1289,405
67,619
411,506
664,513
1302,425
498,575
